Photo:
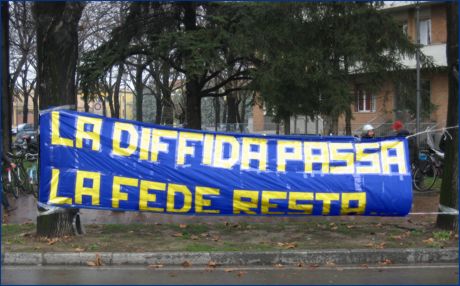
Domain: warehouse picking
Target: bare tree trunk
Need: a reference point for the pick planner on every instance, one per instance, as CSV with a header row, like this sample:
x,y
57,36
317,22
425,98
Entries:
x,y
159,109
243,112
85,102
25,107
193,109
216,112
57,50
192,85
348,117
36,113
287,125
232,110
104,108
449,188
116,92
168,109
7,102
139,89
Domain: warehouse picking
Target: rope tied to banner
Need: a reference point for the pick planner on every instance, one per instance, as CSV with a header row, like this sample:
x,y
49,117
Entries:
x,y
429,130
444,210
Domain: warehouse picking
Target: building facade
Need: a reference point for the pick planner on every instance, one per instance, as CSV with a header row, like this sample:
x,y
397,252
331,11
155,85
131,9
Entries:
x,y
390,103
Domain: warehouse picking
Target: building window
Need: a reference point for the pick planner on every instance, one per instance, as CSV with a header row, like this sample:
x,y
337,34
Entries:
x,y
364,101
425,32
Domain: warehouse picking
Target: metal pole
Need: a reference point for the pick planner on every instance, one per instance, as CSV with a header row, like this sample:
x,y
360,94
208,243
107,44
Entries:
x,y
417,59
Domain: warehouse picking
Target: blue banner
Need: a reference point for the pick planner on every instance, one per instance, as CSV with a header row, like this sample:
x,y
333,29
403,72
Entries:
x,y
89,161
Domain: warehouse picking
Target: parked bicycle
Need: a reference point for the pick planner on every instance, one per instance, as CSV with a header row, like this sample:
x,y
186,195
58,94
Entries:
x,y
20,178
429,168
10,181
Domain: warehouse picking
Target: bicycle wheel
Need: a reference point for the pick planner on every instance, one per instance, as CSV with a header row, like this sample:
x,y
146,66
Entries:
x,y
424,177
24,182
10,184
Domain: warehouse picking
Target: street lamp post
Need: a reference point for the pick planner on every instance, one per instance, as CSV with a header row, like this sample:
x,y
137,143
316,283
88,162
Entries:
x,y
417,59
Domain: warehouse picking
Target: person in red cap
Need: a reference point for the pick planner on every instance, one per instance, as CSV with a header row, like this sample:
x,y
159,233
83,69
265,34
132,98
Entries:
x,y
398,127
399,130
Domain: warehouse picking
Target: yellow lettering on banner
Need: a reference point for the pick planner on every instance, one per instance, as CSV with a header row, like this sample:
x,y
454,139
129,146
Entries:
x,y
245,206
283,155
93,135
93,191
399,159
347,156
267,196
208,148
219,160
146,134
327,198
157,145
118,129
361,203
54,198
310,158
247,155
117,195
174,189
183,149
294,197
145,197
372,158
56,138
201,202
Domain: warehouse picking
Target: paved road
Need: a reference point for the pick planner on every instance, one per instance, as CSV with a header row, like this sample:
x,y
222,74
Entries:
x,y
418,274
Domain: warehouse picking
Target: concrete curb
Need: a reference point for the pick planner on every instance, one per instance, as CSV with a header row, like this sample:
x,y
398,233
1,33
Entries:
x,y
306,257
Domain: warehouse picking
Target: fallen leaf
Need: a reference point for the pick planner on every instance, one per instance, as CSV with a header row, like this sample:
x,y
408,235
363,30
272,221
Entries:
x,y
351,226
241,273
204,234
90,263
364,265
52,241
26,234
279,265
98,260
156,266
386,262
229,270
334,228
212,264
330,263
291,245
194,237
182,225
300,264
216,238
178,234
186,264
78,249
429,240
380,246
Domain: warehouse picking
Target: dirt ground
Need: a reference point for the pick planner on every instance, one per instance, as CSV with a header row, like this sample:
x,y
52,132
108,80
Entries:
x,y
250,235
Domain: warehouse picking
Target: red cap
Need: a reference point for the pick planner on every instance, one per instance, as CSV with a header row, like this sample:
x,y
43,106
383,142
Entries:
x,y
397,125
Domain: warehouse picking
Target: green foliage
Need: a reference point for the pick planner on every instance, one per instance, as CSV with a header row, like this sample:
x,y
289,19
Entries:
x,y
301,57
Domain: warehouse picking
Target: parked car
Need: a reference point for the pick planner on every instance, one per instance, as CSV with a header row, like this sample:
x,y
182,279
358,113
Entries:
x,y
22,127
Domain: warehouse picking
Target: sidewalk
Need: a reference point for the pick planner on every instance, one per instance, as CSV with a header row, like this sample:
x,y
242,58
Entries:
x,y
362,257
233,241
